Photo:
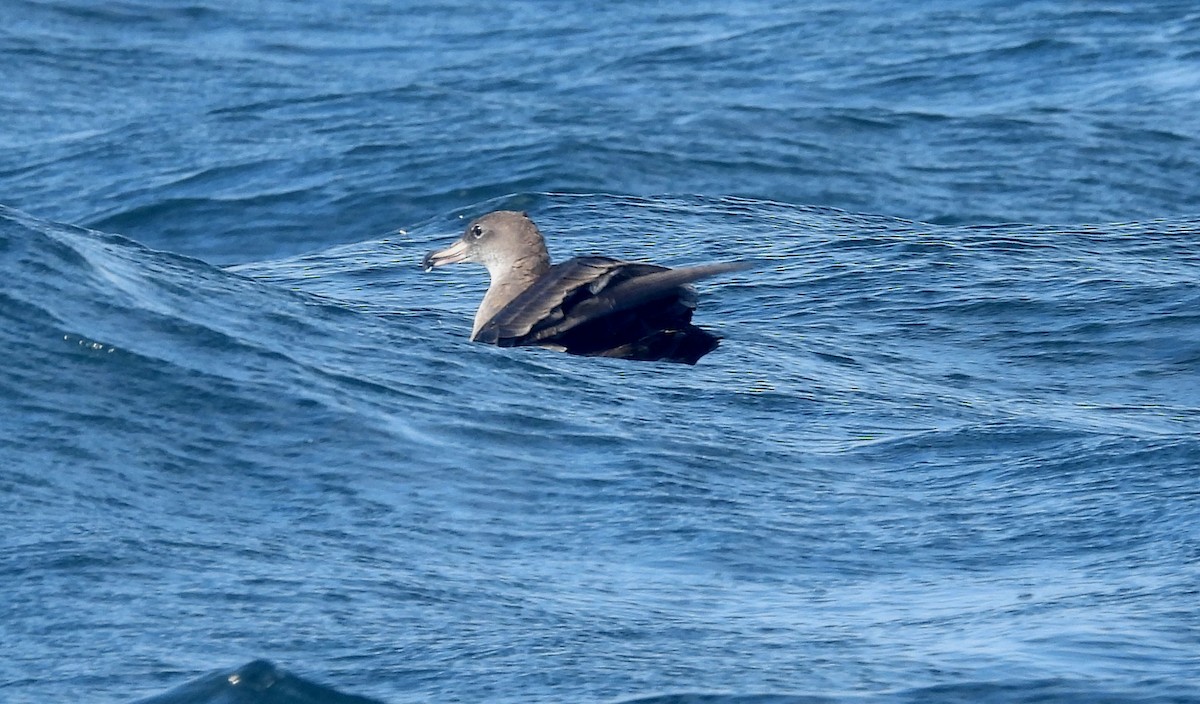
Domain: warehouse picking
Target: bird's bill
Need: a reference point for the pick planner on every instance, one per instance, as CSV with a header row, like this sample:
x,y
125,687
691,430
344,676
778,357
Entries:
x,y
453,254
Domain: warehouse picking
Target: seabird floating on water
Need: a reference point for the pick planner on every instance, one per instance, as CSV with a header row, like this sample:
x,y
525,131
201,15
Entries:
x,y
595,306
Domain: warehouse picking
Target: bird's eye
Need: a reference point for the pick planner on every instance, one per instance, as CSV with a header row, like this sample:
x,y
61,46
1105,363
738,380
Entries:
x,y
476,232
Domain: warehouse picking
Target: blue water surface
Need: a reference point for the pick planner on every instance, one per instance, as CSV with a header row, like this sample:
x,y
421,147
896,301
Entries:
x,y
948,451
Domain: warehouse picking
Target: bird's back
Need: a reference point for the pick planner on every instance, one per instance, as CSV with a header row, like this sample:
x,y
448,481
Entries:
x,y
599,306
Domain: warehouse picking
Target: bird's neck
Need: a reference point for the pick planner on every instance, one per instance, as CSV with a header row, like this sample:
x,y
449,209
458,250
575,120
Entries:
x,y
508,282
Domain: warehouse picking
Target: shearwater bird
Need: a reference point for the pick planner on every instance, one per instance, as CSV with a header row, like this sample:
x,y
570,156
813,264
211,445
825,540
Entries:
x,y
595,306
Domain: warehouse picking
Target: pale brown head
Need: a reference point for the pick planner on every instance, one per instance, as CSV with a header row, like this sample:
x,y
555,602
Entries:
x,y
505,241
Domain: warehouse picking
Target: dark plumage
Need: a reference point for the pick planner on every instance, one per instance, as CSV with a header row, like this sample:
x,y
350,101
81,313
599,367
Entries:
x,y
594,306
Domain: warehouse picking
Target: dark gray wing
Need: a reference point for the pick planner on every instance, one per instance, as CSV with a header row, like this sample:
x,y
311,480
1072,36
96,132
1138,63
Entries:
x,y
543,301
625,292
586,288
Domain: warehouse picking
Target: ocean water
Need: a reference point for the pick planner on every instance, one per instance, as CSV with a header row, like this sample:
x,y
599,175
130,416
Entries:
x,y
948,450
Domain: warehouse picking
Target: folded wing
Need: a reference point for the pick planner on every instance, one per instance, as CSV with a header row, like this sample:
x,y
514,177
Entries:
x,y
604,306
